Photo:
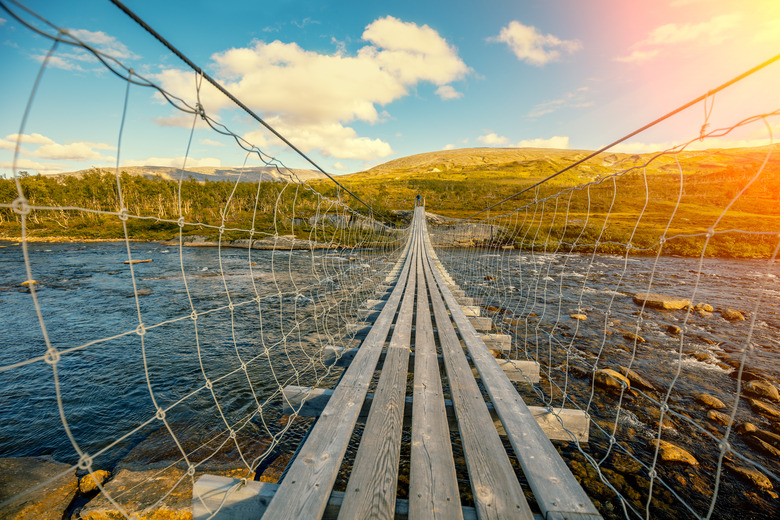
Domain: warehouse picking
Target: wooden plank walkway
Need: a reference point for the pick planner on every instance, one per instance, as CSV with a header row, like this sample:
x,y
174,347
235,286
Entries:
x,y
423,295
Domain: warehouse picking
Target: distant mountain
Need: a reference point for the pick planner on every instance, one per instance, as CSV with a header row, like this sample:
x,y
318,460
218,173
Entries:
x,y
251,174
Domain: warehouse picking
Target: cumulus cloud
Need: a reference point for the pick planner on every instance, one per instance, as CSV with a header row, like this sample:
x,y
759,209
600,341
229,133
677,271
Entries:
x,y
493,139
556,141
448,92
30,165
710,32
338,166
532,46
449,147
211,142
315,95
49,149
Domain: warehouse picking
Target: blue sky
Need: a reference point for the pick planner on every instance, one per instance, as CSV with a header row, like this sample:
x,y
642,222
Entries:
x,y
355,84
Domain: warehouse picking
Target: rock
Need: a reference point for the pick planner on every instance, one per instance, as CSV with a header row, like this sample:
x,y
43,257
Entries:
x,y
709,401
609,379
672,453
751,476
87,482
771,438
760,388
718,417
636,380
761,446
765,409
659,301
673,329
17,475
27,283
490,278
630,336
704,314
732,315
746,428
580,317
706,307
704,357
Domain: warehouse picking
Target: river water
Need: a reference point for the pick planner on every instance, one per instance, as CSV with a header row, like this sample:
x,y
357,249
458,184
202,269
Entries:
x,y
532,297
288,305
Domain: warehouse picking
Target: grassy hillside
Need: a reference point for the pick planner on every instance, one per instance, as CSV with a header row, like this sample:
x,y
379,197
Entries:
x,y
455,183
459,183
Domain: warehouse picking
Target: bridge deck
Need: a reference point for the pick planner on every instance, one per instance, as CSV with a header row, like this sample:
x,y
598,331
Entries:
x,y
307,489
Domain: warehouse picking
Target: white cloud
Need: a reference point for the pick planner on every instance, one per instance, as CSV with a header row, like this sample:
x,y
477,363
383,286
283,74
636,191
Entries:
x,y
30,165
2,21
105,43
49,149
449,147
556,141
338,166
573,99
533,47
493,139
315,95
173,162
711,32
211,142
447,92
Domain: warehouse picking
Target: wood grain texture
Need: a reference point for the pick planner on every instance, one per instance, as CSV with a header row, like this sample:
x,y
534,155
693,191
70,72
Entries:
x,y
497,493
433,484
305,489
555,488
373,483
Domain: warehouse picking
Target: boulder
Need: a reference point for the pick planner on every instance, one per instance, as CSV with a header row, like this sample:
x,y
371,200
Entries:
x,y
636,380
609,379
87,483
660,301
710,401
580,317
771,438
746,428
673,329
630,336
718,417
759,388
18,475
672,453
732,315
762,447
751,476
704,314
765,409
706,307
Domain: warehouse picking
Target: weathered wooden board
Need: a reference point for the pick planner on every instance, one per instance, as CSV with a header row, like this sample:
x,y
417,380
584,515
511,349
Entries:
x,y
555,488
305,490
432,480
497,493
372,485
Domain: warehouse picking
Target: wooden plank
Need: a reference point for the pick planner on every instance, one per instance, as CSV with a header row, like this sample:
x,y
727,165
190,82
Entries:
x,y
484,324
433,484
555,488
470,310
305,490
373,482
497,493
501,342
248,501
310,402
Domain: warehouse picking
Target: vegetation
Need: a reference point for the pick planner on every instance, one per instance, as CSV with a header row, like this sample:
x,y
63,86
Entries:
x,y
705,191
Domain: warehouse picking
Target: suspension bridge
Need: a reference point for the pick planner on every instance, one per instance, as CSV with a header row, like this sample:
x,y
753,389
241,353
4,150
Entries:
x,y
284,353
